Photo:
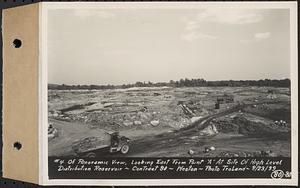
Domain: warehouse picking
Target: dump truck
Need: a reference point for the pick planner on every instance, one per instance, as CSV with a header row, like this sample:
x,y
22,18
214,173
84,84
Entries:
x,y
94,146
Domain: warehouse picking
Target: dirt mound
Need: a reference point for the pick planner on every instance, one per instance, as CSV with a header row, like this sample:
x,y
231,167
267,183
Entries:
x,y
247,127
256,129
274,112
240,124
209,131
226,126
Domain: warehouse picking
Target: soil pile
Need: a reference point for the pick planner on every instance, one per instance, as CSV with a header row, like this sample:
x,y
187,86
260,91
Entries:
x,y
209,131
240,124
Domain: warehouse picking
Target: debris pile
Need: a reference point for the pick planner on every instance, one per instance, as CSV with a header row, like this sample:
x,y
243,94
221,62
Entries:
x,y
209,149
226,126
196,118
210,130
280,123
251,125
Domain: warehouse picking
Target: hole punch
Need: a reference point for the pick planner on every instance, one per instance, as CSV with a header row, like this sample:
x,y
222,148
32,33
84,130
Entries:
x,y
17,145
17,43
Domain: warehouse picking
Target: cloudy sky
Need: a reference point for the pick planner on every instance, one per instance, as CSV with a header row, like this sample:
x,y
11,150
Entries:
x,y
125,46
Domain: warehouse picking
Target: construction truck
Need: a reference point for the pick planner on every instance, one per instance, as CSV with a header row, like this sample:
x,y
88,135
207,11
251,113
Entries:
x,y
94,146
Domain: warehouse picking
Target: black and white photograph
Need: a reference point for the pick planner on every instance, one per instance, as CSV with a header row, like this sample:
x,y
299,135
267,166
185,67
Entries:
x,y
185,82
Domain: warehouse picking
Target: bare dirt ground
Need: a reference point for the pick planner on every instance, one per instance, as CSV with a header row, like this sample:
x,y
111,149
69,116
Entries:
x,y
175,122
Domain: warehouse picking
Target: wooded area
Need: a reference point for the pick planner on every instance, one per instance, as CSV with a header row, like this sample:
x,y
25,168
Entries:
x,y
181,83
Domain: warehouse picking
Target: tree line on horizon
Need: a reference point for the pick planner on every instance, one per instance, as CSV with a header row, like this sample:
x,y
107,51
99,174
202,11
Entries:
x,y
180,83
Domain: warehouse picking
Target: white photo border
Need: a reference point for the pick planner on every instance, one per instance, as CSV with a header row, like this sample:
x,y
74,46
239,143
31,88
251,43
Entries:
x,y
43,91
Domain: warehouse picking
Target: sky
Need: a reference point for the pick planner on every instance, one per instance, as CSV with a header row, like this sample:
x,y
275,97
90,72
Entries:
x,y
119,46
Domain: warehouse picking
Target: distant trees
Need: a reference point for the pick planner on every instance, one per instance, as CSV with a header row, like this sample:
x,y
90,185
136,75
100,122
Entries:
x,y
261,83
181,83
